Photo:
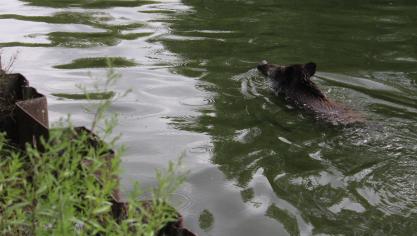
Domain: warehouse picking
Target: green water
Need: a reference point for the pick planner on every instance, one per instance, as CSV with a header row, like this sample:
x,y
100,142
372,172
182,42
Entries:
x,y
257,165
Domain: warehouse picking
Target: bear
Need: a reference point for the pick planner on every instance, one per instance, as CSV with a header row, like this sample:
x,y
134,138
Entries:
x,y
294,83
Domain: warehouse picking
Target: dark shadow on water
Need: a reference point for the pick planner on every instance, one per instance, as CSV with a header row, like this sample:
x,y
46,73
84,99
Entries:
x,y
85,96
88,3
97,62
333,176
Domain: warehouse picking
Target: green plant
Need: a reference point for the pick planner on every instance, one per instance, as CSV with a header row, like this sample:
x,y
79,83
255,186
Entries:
x,y
70,186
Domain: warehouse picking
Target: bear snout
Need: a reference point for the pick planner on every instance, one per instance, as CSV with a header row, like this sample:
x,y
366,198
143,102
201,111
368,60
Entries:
x,y
263,67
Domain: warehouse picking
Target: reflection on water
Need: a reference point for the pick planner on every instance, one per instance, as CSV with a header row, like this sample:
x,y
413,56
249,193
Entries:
x,y
206,220
307,176
59,43
258,166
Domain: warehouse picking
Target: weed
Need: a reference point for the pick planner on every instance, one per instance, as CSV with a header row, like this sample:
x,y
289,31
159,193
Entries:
x,y
69,187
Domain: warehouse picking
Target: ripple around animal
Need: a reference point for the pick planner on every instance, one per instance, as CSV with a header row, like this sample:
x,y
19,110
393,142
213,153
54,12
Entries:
x,y
200,148
192,101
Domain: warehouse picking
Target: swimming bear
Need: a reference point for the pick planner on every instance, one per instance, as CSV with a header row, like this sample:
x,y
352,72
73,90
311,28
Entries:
x,y
295,84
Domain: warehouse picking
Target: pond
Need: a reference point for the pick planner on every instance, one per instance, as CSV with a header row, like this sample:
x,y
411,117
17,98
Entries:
x,y
257,166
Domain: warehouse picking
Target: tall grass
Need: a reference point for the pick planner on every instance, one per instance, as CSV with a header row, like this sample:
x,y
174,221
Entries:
x,y
69,187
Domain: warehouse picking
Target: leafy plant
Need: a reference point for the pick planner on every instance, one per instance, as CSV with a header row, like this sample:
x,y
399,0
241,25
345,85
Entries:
x,y
69,186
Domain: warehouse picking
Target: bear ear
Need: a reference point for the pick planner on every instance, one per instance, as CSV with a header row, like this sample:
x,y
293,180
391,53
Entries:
x,y
310,68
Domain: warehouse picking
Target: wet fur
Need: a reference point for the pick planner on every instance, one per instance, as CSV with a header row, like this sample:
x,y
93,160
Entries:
x,y
295,84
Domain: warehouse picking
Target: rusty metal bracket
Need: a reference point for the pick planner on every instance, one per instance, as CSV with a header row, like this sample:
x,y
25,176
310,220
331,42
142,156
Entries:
x,y
28,118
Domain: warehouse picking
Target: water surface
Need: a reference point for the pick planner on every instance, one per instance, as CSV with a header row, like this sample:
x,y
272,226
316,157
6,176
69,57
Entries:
x,y
257,165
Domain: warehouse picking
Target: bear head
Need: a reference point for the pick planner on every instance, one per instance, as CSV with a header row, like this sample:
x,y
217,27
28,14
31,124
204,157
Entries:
x,y
292,79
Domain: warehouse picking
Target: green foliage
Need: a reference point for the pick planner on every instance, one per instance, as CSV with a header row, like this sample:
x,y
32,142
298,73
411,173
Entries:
x,y
69,187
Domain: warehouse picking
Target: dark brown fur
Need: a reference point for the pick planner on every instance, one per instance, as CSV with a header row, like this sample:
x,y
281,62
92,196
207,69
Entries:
x,y
294,82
